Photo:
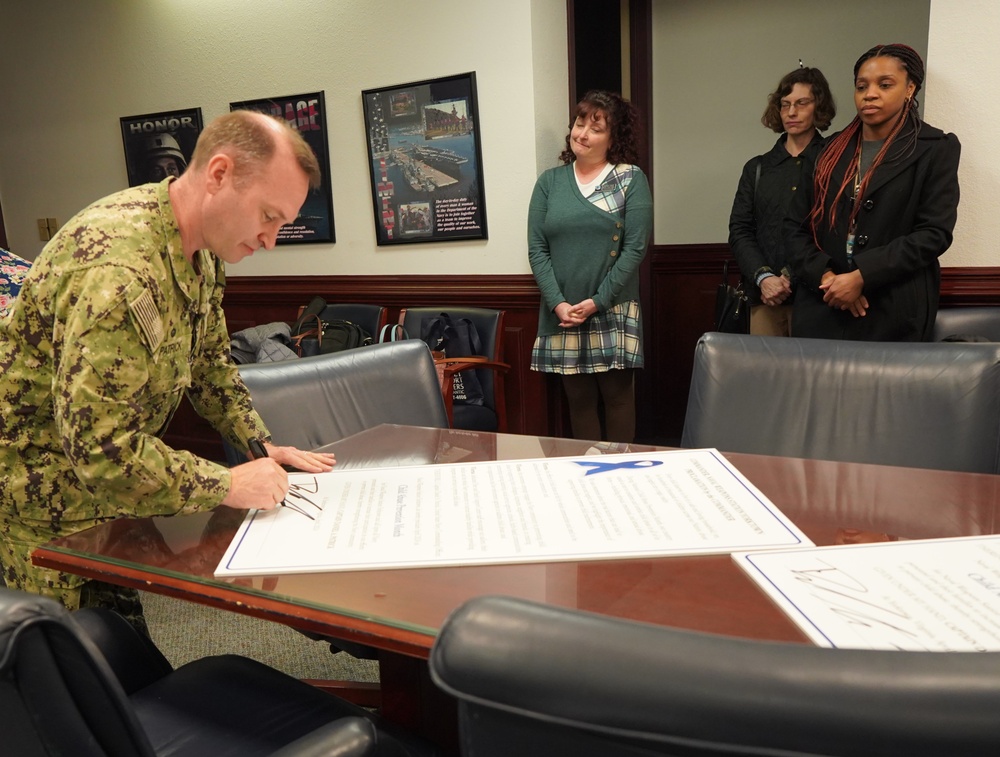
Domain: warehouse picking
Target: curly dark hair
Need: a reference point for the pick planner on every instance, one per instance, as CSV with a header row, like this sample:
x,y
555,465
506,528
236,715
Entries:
x,y
825,110
623,125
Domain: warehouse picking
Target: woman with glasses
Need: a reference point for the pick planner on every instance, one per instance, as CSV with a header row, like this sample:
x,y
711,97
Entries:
x,y
797,109
865,237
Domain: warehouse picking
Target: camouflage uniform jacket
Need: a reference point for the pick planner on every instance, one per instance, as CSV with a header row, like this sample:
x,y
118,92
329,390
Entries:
x,y
112,327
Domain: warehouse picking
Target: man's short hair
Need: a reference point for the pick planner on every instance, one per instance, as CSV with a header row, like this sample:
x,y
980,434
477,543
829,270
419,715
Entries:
x,y
246,137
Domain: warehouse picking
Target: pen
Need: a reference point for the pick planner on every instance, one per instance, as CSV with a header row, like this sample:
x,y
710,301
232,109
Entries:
x,y
256,447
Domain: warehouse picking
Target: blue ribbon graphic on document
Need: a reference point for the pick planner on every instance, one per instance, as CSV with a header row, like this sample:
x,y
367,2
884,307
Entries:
x,y
596,467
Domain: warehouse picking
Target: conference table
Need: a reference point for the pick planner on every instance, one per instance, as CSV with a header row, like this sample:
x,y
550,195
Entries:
x,y
398,612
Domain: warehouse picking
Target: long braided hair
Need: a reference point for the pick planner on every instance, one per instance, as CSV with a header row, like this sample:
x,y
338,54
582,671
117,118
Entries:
x,y
828,159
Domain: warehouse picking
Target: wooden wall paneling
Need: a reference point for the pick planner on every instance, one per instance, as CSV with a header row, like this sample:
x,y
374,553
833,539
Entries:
x,y
679,309
684,282
250,301
517,341
970,286
247,298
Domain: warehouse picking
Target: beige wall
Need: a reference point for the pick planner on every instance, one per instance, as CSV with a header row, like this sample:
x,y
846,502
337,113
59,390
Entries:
x,y
71,69
962,83
714,63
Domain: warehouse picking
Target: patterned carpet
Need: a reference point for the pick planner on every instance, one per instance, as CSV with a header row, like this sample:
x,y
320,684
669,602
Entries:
x,y
185,631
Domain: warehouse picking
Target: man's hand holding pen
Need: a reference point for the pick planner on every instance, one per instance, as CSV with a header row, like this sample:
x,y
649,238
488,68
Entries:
x,y
262,483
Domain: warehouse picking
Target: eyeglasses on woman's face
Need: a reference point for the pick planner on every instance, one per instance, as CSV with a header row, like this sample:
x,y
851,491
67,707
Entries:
x,y
802,102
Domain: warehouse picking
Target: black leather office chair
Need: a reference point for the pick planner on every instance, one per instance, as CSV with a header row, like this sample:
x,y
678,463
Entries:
x,y
537,680
968,322
922,405
87,684
492,414
369,317
314,401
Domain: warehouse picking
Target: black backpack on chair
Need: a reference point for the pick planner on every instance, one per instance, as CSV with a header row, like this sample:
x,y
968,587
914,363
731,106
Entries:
x,y
313,336
456,337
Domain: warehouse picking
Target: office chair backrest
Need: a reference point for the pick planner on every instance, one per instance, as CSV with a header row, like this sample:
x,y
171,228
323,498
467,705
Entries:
x,y
314,401
57,694
534,679
982,322
369,317
489,325
922,405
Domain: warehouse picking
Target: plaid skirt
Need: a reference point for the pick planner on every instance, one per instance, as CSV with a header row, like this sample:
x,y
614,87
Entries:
x,y
607,341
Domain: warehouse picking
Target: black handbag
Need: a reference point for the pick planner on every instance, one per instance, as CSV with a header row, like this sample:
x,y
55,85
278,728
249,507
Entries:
x,y
311,335
732,307
329,336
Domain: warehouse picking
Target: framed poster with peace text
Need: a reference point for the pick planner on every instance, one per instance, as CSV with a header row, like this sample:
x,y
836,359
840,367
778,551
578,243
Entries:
x,y
307,115
158,145
426,162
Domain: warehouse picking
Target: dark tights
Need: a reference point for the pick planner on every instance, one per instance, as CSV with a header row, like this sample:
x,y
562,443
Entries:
x,y
616,390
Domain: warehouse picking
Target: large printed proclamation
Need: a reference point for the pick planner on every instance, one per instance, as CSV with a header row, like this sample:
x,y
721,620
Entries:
x,y
935,595
594,507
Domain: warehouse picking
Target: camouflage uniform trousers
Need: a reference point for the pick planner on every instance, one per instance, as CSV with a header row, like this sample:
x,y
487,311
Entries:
x,y
72,591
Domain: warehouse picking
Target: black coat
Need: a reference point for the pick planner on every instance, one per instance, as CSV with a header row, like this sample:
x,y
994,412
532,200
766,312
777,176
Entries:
x,y
905,223
760,207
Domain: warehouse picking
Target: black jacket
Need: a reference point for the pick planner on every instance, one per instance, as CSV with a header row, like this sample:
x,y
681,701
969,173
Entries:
x,y
755,223
905,223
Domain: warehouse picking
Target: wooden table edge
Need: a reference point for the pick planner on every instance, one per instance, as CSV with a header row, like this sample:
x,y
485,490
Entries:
x,y
347,627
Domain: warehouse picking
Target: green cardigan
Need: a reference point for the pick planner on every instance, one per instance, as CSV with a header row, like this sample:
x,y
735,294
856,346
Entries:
x,y
576,250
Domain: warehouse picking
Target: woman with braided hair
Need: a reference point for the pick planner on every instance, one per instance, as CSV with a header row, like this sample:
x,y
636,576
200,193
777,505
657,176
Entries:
x,y
864,240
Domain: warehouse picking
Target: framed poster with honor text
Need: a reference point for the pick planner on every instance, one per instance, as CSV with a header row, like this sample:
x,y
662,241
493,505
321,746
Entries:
x,y
158,145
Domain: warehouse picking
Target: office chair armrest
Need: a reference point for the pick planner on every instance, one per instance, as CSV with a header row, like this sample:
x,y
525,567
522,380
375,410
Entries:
x,y
453,365
345,737
470,361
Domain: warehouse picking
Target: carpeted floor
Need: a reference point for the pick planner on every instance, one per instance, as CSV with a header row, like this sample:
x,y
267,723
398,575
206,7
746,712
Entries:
x,y
186,631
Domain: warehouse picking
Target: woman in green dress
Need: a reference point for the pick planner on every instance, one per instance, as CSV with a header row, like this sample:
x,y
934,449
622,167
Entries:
x,y
589,223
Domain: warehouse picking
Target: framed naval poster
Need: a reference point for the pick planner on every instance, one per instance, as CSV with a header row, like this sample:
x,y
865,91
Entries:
x,y
158,145
307,115
425,158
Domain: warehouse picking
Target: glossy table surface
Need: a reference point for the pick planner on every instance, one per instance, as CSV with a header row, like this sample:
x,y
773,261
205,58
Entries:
x,y
399,611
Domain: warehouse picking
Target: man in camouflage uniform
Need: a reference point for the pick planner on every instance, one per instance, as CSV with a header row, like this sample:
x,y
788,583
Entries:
x,y
121,315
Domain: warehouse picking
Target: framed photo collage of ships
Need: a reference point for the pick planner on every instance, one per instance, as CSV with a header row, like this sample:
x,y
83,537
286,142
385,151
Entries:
x,y
425,158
